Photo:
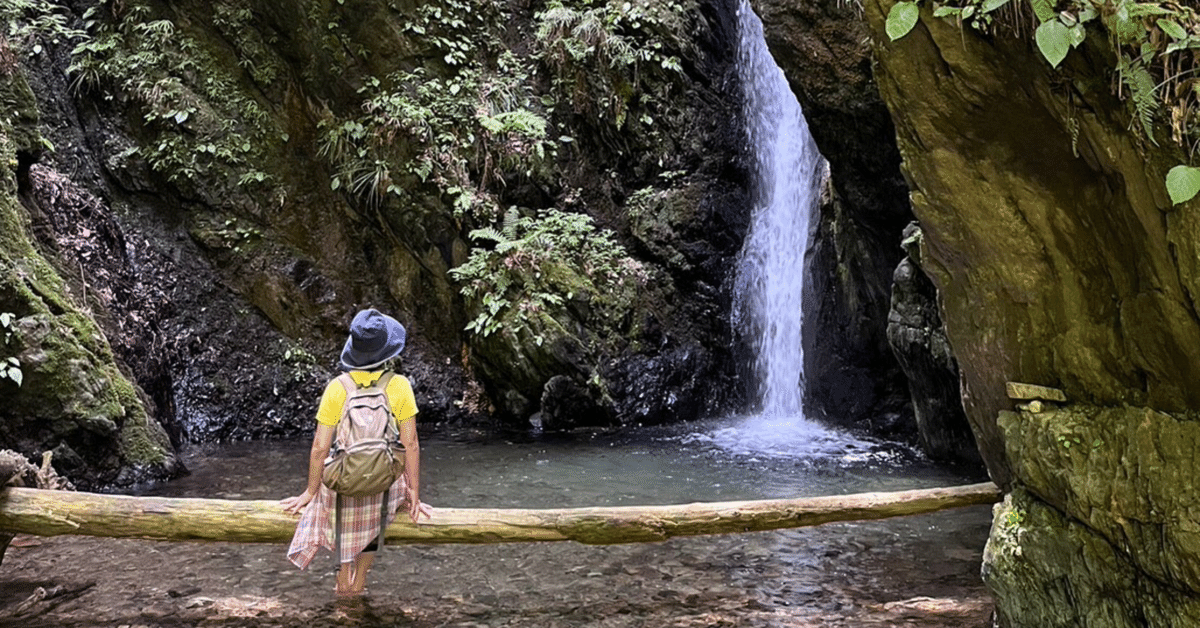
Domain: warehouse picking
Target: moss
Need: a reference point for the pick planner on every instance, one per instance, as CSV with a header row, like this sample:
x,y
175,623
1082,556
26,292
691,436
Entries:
x,y
142,446
73,391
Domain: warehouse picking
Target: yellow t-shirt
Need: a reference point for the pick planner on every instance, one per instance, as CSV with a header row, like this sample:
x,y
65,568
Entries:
x,y
399,393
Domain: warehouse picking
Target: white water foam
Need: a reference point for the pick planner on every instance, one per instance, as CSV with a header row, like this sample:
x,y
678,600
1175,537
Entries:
x,y
769,290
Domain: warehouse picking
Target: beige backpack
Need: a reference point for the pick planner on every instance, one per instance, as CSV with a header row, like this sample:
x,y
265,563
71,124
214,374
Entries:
x,y
367,455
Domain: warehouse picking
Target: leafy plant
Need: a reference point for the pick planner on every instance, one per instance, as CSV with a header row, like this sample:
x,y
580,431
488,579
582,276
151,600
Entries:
x,y
460,133
1150,37
537,264
10,367
30,23
617,61
201,124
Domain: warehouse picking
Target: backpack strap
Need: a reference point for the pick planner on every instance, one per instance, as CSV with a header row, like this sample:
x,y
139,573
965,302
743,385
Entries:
x,y
383,518
337,528
383,382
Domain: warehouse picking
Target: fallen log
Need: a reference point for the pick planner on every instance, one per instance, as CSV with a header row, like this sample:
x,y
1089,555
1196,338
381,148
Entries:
x,y
51,513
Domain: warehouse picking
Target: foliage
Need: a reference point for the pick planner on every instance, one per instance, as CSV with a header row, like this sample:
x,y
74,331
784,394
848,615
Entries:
x,y
1011,527
300,361
34,22
233,20
458,129
10,367
538,263
235,234
462,134
1183,182
616,61
202,123
1156,45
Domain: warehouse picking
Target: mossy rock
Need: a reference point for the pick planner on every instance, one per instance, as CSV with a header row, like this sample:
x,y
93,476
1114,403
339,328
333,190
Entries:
x,y
72,396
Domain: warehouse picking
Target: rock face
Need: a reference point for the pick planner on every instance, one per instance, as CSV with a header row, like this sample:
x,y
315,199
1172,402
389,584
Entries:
x,y
1059,261
918,338
71,396
1067,271
1074,547
852,376
230,182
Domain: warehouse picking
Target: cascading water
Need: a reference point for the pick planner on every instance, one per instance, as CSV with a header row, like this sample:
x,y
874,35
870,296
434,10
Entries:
x,y
770,278
770,273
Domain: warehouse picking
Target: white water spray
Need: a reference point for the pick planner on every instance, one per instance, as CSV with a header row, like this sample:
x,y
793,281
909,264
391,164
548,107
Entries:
x,y
770,281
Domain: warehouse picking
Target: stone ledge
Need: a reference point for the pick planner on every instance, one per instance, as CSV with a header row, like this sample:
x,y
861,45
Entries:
x,y
1031,391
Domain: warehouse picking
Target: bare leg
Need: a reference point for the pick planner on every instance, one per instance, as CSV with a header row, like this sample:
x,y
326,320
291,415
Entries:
x,y
345,579
362,566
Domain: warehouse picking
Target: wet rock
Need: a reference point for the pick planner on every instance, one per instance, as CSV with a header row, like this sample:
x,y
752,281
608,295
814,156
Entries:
x,y
567,404
672,385
918,339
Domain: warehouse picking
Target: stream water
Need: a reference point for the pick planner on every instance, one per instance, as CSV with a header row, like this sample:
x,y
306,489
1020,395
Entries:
x,y
913,571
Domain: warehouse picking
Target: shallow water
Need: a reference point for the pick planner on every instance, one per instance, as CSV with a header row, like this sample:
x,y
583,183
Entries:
x,y
918,571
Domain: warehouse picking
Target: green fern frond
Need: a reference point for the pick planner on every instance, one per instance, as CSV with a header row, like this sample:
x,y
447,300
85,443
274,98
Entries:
x,y
487,233
1136,76
512,219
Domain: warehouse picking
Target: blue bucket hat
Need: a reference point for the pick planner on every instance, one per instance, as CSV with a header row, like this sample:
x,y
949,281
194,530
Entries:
x,y
374,339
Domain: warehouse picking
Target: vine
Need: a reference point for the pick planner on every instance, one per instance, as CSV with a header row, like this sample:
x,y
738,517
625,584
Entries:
x,y
1151,38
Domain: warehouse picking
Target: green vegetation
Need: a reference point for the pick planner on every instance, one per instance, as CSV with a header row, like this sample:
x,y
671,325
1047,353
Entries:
x,y
33,22
10,367
480,116
201,123
1154,46
1011,523
613,59
539,263
463,134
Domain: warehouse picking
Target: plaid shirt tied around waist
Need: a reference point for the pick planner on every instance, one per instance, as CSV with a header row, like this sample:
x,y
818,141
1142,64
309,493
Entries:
x,y
360,523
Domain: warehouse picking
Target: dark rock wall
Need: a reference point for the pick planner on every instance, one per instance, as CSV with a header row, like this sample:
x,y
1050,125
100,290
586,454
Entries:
x,y
189,210
71,396
918,338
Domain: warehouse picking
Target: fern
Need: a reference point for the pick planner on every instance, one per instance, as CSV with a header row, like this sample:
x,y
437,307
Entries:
x,y
487,234
512,219
535,261
1141,88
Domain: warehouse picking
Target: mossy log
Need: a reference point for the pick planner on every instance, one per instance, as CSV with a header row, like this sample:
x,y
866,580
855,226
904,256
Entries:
x,y
51,513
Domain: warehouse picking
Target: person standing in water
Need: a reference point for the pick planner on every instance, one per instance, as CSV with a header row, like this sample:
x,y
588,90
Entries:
x,y
375,340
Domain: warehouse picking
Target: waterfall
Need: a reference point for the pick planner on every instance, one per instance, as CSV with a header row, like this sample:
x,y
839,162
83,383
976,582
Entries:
x,y
769,286
770,273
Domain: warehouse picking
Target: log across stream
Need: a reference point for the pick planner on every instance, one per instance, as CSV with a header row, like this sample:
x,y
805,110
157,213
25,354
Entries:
x,y
52,513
